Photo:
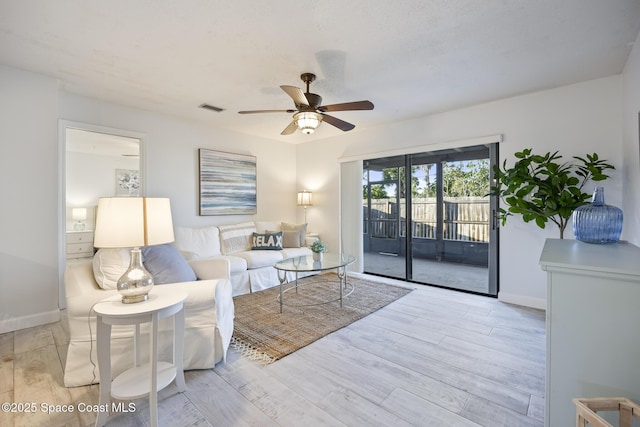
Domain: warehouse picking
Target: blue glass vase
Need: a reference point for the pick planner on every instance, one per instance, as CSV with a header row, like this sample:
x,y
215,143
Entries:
x,y
597,222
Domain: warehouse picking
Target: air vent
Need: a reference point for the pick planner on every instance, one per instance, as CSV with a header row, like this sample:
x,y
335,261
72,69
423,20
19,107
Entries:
x,y
211,107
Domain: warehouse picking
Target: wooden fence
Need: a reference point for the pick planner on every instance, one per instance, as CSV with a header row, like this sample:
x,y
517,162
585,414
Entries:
x,y
465,218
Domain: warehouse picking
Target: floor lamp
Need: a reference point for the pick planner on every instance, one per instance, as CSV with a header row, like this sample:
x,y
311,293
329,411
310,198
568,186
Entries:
x,y
304,199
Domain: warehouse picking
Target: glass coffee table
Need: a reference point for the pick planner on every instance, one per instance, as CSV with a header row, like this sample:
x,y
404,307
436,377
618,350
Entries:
x,y
306,264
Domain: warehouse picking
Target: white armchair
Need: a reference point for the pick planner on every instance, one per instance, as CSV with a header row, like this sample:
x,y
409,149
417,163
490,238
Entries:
x,y
209,314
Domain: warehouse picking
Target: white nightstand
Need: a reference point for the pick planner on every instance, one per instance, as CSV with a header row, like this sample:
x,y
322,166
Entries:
x,y
142,379
79,244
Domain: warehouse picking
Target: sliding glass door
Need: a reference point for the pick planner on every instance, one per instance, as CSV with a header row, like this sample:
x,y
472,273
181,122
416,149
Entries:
x,y
428,218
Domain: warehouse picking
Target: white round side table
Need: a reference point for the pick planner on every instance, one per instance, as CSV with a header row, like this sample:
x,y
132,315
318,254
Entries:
x,y
142,379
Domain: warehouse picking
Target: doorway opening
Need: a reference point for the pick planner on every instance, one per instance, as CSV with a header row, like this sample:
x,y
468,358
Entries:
x,y
429,218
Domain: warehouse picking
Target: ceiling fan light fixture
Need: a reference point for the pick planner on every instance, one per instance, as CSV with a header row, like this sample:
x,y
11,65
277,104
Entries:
x,y
307,121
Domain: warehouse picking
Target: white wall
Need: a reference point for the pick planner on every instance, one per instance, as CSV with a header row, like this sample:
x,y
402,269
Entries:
x,y
89,177
28,210
577,119
631,143
172,159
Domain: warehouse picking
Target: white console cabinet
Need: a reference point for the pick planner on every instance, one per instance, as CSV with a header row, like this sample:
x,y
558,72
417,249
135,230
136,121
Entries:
x,y
593,324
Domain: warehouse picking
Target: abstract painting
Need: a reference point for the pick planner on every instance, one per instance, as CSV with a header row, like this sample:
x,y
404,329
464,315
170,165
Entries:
x,y
227,183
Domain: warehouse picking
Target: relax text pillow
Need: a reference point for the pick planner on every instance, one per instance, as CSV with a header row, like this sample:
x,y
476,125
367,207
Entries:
x,y
268,241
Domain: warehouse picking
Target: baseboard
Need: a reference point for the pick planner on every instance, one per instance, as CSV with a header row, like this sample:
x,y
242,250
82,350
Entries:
x,y
523,300
23,322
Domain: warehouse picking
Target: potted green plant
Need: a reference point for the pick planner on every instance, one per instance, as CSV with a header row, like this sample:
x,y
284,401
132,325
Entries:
x,y
318,248
542,188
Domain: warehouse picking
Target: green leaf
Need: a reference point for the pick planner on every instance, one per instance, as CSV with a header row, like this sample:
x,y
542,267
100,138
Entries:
x,y
538,159
524,191
565,212
573,181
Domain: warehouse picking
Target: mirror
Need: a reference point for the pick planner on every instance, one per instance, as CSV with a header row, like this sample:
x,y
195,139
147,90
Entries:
x,y
95,162
98,165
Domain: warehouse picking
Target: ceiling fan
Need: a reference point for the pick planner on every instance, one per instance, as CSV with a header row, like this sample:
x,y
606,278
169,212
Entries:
x,y
309,113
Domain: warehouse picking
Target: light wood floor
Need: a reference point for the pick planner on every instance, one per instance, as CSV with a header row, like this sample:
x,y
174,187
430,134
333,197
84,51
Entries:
x,y
432,358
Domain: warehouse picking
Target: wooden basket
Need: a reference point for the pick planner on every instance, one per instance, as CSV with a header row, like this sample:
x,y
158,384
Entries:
x,y
586,411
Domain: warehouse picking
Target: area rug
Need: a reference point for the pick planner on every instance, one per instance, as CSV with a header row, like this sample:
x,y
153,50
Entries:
x,y
262,333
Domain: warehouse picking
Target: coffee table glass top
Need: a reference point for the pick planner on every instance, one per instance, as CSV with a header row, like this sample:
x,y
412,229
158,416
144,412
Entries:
x,y
329,261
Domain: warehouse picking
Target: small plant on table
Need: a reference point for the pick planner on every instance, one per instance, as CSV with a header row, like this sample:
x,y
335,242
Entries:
x,y
318,247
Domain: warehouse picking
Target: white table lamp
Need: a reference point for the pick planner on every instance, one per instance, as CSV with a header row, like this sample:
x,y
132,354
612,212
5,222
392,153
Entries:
x,y
79,214
131,222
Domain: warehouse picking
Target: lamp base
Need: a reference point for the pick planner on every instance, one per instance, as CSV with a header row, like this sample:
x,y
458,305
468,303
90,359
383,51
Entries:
x,y
136,282
79,226
134,298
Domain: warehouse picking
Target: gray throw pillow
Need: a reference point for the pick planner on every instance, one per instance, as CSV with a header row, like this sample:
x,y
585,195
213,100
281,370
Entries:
x,y
290,239
300,229
166,264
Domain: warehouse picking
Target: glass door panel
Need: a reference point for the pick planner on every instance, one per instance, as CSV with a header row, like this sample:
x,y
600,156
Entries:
x,y
423,218
384,217
461,245
443,203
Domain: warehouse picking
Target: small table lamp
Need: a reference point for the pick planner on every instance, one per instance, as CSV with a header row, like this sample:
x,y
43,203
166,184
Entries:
x,y
79,214
131,222
304,199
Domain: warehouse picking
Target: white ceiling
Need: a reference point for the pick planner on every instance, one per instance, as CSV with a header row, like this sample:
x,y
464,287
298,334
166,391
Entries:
x,y
410,58
101,144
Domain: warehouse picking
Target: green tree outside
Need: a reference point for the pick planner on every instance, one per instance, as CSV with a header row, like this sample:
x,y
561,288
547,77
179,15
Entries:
x,y
460,179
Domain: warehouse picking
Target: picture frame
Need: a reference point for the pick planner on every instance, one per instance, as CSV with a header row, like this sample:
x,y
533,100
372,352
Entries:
x,y
227,183
127,183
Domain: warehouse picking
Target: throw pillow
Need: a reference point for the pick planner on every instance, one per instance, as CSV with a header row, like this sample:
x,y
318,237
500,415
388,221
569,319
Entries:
x,y
166,264
109,265
204,242
290,239
267,241
301,229
237,237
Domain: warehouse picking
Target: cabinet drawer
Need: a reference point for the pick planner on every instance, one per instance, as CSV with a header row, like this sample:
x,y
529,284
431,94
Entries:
x,y
83,237
79,249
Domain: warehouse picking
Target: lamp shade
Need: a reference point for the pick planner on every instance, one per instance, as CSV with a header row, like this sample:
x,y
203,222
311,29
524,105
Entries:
x,y
79,214
304,198
127,222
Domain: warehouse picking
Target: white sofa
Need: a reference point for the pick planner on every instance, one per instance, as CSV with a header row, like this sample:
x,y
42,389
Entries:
x,y
251,269
209,314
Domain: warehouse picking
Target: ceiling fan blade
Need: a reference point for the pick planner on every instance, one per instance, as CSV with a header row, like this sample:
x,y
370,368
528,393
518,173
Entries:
x,y
290,129
340,124
296,94
347,106
266,111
